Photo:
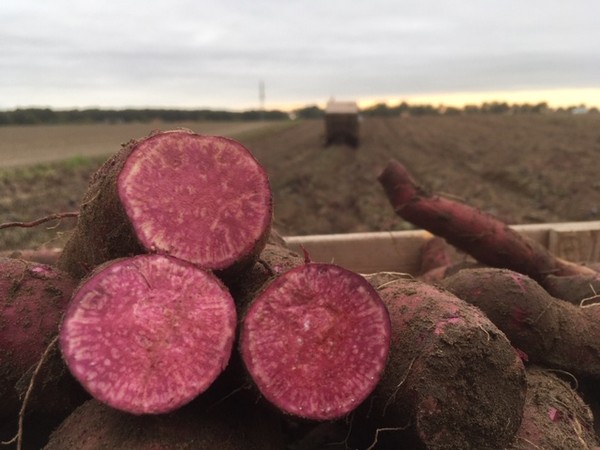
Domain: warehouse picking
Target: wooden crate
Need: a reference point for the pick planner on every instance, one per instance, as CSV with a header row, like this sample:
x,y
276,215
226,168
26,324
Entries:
x,y
399,251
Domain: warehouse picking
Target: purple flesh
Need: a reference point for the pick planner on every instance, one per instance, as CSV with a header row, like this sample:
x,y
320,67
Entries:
x,y
148,334
210,203
316,341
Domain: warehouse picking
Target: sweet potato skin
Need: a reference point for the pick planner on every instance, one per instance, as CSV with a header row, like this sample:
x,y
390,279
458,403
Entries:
x,y
434,254
552,332
555,416
110,224
575,288
274,260
33,299
479,234
103,230
453,379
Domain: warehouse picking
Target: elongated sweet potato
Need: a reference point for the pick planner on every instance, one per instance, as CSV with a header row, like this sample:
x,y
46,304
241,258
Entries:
x,y
481,235
453,380
33,299
439,261
315,341
203,199
555,417
147,334
552,332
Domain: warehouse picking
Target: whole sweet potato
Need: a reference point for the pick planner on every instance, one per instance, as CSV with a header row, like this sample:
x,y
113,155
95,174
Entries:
x,y
33,300
453,379
552,332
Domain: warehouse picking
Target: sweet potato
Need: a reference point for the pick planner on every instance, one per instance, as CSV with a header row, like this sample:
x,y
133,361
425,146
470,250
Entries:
x,y
453,380
434,254
552,332
219,427
203,199
555,417
315,341
481,235
274,260
577,289
438,260
33,299
149,333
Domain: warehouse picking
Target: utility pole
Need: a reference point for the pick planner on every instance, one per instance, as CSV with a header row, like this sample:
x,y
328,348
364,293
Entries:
x,y
261,98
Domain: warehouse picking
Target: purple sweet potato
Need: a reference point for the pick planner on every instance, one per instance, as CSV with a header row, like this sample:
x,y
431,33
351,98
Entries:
x,y
438,260
577,289
33,297
555,417
552,332
274,260
203,199
434,254
453,380
96,426
481,235
149,333
315,341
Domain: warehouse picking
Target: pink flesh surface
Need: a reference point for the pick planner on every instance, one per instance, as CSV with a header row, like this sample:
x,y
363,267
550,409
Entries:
x,y
316,341
148,334
203,199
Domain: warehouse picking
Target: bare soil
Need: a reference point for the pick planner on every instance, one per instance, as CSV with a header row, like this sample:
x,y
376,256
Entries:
x,y
524,169
26,145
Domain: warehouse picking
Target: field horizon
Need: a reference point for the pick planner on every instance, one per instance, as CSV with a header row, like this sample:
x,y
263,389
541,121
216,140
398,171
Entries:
x,y
523,169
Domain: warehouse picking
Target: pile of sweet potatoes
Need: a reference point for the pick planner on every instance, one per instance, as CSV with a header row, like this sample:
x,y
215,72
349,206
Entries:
x,y
179,318
175,317
547,307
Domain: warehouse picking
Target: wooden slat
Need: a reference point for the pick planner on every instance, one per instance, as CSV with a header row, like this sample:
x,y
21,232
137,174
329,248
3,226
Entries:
x,y
576,245
365,252
399,251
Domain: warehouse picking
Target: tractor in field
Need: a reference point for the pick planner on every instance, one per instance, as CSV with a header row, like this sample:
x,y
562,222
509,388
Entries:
x,y
341,123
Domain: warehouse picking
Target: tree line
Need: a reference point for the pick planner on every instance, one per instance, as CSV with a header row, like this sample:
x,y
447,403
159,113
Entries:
x,y
404,108
32,116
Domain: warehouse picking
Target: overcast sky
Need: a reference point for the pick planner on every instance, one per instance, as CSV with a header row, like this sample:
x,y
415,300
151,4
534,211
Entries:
x,y
196,54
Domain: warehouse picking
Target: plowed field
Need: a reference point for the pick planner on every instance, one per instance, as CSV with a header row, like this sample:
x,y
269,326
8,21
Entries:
x,y
524,169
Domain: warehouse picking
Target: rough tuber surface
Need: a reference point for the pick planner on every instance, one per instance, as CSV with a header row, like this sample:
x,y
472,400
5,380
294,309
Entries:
x,y
576,289
552,332
148,334
555,417
315,341
481,235
221,426
33,299
453,379
434,254
274,260
203,199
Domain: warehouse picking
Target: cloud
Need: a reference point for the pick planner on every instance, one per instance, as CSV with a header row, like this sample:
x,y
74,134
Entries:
x,y
69,53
